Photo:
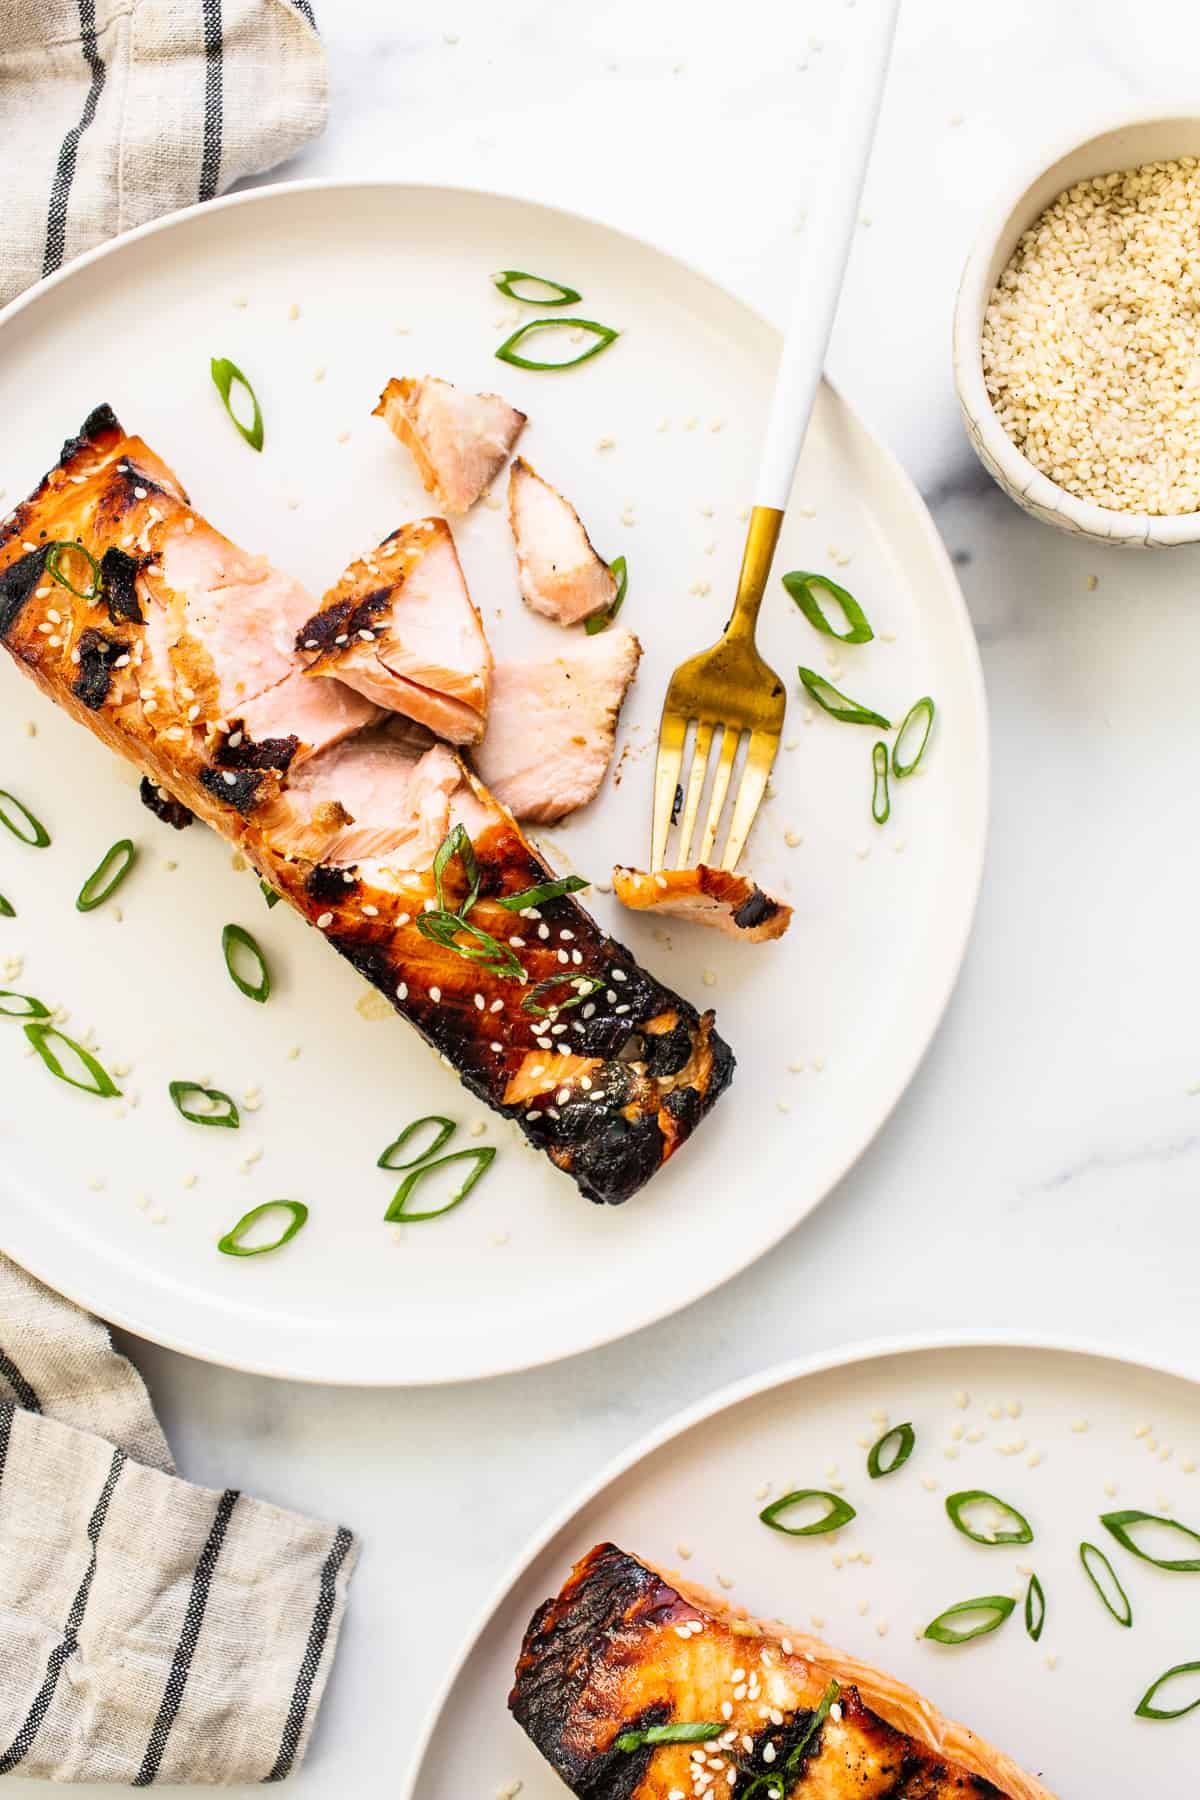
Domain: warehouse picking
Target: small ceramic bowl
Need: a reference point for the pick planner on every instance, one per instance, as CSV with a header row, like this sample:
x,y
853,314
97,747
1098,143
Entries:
x,y
1121,146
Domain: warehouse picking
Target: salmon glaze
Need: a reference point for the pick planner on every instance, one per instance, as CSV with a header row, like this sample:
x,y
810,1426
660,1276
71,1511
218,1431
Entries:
x,y
179,653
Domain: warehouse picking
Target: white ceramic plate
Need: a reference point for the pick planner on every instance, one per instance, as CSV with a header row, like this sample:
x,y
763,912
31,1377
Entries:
x,y
1097,1431
391,279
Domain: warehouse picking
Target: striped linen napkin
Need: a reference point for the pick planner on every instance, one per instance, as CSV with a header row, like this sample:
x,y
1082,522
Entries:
x,y
150,1631
115,111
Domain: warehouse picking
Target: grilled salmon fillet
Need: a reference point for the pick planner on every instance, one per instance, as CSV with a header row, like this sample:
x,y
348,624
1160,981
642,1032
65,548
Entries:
x,y
458,440
726,901
182,649
401,629
624,1647
561,574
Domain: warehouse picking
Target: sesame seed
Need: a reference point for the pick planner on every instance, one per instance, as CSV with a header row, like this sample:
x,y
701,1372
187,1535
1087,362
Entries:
x,y
139,493
325,920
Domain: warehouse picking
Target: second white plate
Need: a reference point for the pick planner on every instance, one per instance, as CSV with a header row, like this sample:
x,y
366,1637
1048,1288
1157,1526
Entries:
x,y
828,1025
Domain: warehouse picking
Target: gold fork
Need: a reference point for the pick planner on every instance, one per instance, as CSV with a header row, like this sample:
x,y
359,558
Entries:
x,y
730,689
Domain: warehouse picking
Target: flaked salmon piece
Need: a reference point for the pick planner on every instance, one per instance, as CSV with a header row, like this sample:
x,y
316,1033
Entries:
x,y
625,1647
561,574
349,834
734,904
553,724
316,716
401,628
458,440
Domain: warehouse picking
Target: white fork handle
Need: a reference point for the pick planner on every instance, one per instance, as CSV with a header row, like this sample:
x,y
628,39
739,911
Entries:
x,y
825,250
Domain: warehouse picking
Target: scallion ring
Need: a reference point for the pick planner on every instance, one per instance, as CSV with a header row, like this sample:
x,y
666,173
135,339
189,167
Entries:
x,y
224,374
838,1512
231,1244
920,709
1145,1708
506,279
697,1732
905,1437
1093,1561
801,586
957,1504
7,909
996,1608
235,938
29,1006
1035,1608
269,895
603,334
398,1214
444,928
881,799
101,1084
457,843
584,985
620,568
54,568
445,1131
839,705
1118,1523
219,1108
107,877
38,836
549,890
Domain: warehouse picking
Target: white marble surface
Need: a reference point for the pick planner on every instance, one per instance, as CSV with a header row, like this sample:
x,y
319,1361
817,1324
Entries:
x,y
1043,1171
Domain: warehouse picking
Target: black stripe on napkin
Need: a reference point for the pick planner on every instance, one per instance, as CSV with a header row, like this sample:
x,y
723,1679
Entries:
x,y
214,49
314,1650
189,1637
17,1382
7,1410
64,174
306,11
69,1644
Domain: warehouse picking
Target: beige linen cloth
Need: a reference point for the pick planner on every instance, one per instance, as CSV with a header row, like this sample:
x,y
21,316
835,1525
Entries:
x,y
150,1631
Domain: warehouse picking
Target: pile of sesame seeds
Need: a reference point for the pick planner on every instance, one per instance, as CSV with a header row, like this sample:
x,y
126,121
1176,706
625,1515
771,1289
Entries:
x,y
1091,340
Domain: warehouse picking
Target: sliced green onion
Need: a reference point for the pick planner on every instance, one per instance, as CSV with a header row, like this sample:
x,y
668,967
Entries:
x,y
603,334
505,280
1087,1551
269,894
995,1607
7,909
1146,1710
457,843
54,568
584,986
444,927
881,800
38,836
839,705
235,938
905,1438
920,709
690,1733
801,587
231,1244
224,374
1118,1523
397,1213
101,1084
549,890
107,877
957,1504
597,622
29,1007
838,1512
219,1109
446,1130
1035,1608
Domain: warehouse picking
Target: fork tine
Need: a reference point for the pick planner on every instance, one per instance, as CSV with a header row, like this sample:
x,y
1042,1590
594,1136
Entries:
x,y
671,735
695,787
720,787
759,759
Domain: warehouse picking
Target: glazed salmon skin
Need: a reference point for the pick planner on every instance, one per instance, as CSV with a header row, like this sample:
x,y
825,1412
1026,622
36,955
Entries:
x,y
625,1648
181,658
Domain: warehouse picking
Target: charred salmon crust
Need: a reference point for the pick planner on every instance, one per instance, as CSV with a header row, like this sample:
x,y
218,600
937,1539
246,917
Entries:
x,y
624,1646
186,645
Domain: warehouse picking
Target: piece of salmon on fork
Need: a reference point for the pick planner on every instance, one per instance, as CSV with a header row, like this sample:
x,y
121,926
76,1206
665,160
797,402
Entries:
x,y
177,649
